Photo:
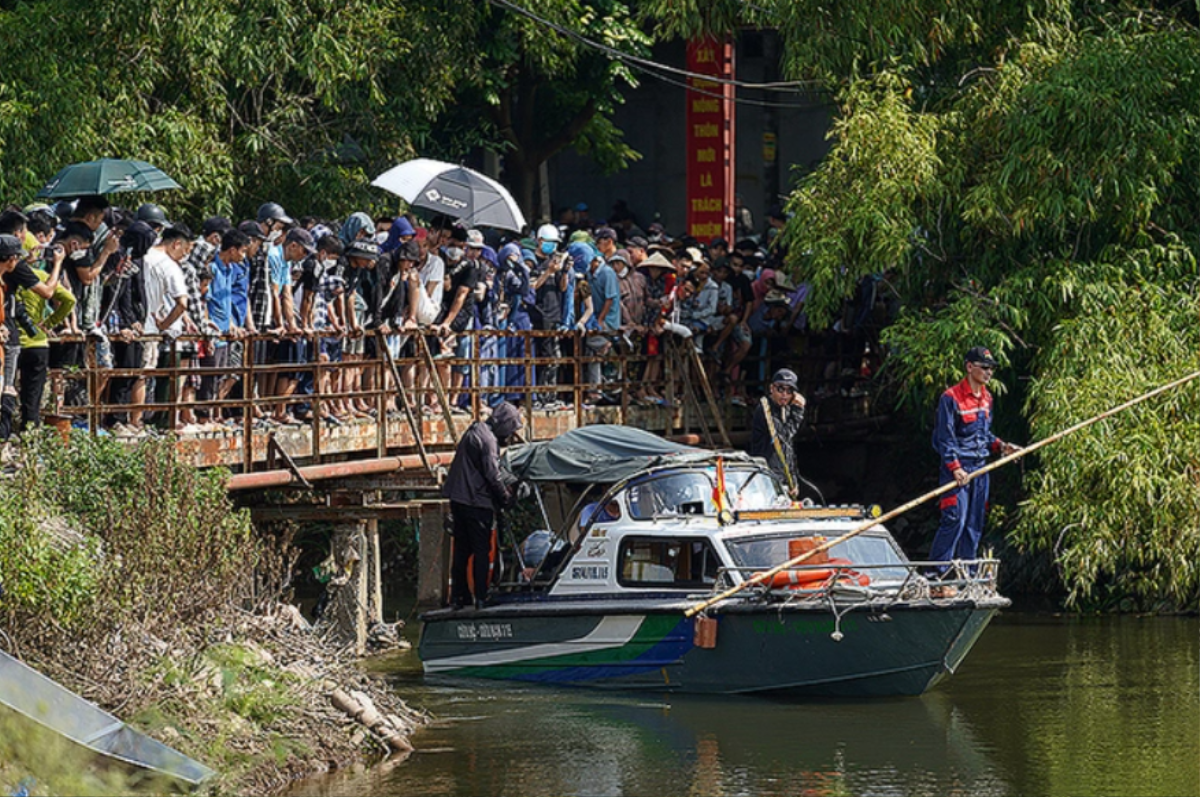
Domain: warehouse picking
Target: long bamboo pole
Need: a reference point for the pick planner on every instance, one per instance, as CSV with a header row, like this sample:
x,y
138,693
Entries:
x,y
945,488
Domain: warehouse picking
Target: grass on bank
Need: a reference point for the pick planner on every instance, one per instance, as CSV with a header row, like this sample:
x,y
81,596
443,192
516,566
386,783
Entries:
x,y
131,579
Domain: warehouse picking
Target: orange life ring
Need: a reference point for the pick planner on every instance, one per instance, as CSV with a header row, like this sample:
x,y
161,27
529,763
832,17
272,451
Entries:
x,y
819,576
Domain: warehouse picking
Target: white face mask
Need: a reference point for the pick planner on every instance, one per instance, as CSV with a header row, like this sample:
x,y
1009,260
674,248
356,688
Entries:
x,y
454,253
273,236
78,254
381,237
330,263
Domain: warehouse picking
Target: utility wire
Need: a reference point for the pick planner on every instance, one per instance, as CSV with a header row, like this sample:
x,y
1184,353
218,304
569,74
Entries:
x,y
739,100
794,86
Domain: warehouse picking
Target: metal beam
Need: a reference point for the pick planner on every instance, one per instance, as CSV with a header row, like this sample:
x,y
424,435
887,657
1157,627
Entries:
x,y
337,470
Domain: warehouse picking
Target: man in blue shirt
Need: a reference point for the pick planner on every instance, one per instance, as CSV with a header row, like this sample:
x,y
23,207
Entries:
x,y
221,287
963,438
606,318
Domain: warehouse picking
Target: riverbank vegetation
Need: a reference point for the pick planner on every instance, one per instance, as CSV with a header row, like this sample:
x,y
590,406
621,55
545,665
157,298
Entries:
x,y
130,578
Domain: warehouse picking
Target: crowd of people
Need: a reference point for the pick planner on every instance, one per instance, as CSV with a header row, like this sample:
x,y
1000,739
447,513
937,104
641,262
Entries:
x,y
88,283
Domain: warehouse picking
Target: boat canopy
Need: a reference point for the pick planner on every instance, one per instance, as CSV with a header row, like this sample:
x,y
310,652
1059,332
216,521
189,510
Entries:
x,y
602,454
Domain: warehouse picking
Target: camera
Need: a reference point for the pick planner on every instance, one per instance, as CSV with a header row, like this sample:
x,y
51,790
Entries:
x,y
21,316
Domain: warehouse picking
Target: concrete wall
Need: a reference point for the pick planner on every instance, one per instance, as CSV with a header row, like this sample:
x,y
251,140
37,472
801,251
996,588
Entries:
x,y
653,122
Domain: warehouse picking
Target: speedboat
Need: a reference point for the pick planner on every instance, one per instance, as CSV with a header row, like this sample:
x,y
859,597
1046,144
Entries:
x,y
649,530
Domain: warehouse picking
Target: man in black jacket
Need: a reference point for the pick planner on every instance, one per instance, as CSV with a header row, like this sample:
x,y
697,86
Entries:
x,y
774,425
476,490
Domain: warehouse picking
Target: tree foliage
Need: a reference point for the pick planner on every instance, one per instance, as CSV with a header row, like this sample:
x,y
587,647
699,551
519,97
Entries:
x,y
1024,174
543,90
241,102
1065,238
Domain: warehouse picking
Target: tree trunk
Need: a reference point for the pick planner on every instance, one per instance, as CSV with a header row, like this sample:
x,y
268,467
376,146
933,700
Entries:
x,y
522,178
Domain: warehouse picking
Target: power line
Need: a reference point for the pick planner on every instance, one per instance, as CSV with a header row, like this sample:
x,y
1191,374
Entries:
x,y
795,86
738,100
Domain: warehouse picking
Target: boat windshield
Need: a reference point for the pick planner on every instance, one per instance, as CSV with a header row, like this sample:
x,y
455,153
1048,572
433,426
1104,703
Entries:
x,y
690,492
762,553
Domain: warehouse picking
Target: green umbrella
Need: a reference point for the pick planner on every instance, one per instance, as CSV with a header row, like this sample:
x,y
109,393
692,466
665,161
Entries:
x,y
106,176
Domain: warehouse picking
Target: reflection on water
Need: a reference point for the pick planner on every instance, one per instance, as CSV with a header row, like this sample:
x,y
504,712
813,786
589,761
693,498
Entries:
x,y
1043,706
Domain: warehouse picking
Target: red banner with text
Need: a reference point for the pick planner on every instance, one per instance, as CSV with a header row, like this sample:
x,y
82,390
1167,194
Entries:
x,y
709,141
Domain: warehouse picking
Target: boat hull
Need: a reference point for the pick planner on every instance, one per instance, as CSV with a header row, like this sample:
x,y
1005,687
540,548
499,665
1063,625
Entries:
x,y
788,650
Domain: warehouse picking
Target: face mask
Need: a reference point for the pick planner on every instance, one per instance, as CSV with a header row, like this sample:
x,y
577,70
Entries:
x,y
381,237
330,263
78,254
548,247
273,236
454,253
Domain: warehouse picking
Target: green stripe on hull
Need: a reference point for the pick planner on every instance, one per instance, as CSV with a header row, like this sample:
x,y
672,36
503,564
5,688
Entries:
x,y
637,655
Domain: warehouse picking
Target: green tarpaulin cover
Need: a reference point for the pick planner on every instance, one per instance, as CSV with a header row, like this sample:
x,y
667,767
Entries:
x,y
600,454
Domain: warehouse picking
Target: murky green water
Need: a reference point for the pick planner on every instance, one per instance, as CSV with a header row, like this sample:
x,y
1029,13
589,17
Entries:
x,y
1042,706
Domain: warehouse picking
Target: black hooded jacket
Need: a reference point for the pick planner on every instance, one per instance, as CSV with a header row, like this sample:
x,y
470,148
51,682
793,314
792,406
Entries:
x,y
474,477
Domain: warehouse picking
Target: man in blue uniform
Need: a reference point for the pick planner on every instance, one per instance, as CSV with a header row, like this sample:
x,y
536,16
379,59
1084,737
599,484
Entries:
x,y
963,438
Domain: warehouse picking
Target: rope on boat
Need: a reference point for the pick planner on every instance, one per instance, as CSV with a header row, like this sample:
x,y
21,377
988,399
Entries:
x,y
766,575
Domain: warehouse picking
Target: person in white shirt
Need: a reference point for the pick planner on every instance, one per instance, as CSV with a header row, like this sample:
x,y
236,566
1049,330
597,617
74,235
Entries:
x,y
166,292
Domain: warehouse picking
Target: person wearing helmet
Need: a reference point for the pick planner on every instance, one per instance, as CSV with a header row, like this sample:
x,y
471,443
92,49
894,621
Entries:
x,y
153,215
553,309
63,209
274,220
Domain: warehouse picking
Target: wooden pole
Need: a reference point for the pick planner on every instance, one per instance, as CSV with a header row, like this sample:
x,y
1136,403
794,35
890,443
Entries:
x,y
945,488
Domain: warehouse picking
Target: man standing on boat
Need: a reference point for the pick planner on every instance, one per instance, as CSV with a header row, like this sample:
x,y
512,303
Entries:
x,y
774,426
476,490
963,438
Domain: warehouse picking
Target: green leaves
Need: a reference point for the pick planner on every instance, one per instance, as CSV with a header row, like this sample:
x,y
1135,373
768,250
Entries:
x,y
1119,503
240,102
97,532
858,213
1095,137
1027,181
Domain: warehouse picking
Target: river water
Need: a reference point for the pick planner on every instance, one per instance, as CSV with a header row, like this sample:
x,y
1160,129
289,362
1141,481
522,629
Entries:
x,y
1042,706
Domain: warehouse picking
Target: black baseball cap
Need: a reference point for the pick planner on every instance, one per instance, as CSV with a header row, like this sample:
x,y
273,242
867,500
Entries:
x,y
981,355
410,250
215,224
367,250
253,229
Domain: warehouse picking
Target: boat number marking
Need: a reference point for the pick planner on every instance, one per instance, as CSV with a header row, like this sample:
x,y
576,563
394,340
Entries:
x,y
597,550
590,572
485,631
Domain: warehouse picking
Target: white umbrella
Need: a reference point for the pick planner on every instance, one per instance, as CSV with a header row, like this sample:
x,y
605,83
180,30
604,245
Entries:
x,y
457,191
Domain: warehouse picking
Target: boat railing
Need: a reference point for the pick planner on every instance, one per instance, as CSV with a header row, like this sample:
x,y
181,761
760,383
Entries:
x,y
959,579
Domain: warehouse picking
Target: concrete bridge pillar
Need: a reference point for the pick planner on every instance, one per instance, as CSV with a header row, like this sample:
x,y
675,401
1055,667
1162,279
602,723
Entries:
x,y
433,556
348,606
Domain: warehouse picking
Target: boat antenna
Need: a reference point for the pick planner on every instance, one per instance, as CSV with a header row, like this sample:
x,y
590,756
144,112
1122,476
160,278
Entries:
x,y
767,575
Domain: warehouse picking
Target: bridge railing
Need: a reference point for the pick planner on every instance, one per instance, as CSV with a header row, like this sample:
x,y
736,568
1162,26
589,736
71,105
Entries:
x,y
501,364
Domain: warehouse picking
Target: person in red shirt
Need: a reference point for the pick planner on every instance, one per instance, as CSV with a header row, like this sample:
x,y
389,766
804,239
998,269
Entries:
x,y
963,438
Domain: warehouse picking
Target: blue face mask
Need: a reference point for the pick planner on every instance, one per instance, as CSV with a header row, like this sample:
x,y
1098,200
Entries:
x,y
548,247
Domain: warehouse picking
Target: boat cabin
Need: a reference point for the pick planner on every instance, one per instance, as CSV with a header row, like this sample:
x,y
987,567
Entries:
x,y
648,524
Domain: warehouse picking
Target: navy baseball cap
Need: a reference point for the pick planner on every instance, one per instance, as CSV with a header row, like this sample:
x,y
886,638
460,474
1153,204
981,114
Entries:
x,y
10,247
786,376
299,235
